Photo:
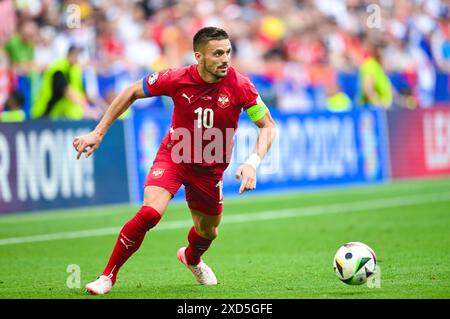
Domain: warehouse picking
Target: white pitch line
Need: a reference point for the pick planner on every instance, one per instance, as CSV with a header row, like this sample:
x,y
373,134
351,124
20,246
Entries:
x,y
372,204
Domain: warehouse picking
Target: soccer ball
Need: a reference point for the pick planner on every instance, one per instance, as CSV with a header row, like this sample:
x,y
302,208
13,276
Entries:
x,y
354,262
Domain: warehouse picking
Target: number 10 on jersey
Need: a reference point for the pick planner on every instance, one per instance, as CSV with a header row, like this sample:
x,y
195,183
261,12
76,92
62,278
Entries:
x,y
205,117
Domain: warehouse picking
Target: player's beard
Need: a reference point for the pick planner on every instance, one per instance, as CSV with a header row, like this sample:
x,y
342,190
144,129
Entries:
x,y
223,70
217,72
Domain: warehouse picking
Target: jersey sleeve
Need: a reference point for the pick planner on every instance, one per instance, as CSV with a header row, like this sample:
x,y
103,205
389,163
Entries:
x,y
158,83
250,95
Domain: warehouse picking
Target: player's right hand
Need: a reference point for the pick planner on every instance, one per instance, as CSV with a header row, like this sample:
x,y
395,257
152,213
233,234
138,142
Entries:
x,y
87,143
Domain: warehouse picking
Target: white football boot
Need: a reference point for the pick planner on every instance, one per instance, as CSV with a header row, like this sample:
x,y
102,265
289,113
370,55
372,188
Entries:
x,y
101,286
201,272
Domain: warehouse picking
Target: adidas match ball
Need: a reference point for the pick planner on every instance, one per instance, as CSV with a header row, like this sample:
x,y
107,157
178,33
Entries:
x,y
354,262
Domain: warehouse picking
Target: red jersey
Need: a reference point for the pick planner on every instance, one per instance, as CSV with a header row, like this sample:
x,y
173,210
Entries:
x,y
208,112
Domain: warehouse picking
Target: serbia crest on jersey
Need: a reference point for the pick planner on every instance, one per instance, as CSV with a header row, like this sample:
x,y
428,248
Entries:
x,y
223,100
207,110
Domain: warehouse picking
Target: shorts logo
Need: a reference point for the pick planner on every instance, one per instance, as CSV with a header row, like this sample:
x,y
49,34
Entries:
x,y
223,101
152,78
157,172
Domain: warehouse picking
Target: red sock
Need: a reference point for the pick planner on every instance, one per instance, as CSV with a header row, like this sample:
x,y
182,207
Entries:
x,y
196,248
130,239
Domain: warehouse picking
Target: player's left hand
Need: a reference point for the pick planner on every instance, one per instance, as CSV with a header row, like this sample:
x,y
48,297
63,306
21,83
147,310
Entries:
x,y
248,174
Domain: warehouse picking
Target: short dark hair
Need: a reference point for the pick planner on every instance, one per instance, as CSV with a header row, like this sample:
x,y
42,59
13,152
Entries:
x,y
207,34
73,49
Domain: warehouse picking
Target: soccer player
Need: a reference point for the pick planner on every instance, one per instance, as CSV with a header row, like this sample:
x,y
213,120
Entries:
x,y
209,97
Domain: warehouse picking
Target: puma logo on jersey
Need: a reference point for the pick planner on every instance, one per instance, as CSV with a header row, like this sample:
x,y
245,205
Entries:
x,y
188,97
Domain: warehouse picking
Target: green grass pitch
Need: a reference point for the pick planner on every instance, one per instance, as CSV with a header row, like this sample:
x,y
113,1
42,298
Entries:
x,y
271,246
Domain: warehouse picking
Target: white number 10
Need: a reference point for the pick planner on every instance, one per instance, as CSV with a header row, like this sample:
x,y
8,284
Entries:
x,y
207,119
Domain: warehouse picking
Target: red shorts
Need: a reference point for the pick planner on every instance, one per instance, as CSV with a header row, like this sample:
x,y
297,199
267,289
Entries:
x,y
203,184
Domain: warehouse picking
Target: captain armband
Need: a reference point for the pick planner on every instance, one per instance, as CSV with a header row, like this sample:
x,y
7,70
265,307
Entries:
x,y
257,111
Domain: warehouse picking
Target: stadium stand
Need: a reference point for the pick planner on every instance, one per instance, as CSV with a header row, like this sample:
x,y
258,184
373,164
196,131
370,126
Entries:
x,y
287,48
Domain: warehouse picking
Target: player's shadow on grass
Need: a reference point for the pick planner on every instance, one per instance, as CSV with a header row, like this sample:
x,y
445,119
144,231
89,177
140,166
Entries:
x,y
363,293
177,290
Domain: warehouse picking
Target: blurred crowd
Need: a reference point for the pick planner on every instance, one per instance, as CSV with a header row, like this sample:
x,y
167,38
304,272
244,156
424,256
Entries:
x,y
302,55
